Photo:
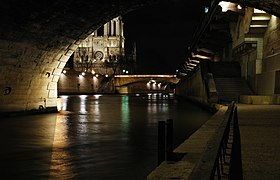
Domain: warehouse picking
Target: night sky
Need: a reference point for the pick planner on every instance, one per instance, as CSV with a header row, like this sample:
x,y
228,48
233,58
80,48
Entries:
x,y
162,34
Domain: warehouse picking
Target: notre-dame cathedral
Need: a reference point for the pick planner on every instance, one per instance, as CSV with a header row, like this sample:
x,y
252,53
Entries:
x,y
103,51
97,59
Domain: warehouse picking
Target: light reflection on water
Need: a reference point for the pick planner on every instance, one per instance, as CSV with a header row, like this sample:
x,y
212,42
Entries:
x,y
125,113
98,137
60,159
114,136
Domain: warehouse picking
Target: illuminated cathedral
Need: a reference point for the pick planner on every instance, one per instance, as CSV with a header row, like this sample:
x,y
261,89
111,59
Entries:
x,y
103,51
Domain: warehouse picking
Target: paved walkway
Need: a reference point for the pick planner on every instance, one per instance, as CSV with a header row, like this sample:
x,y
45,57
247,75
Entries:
x,y
260,141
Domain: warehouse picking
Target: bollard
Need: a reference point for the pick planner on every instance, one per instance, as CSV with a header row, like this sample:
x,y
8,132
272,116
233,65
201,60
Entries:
x,y
169,140
161,141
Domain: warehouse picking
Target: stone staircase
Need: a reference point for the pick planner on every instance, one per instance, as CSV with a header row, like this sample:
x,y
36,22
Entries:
x,y
259,23
228,81
230,88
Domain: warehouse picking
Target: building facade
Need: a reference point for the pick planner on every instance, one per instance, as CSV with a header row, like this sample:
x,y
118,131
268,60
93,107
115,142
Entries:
x,y
103,51
100,56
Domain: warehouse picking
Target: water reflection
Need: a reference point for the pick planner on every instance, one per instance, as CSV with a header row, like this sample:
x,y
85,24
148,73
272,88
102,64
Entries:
x,y
61,165
83,104
64,101
26,146
158,106
125,112
94,137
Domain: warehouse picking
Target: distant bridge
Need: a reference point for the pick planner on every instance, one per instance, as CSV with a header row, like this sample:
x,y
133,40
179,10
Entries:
x,y
123,80
144,83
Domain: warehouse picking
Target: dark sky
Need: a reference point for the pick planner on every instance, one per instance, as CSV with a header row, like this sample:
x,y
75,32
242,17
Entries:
x,y
162,34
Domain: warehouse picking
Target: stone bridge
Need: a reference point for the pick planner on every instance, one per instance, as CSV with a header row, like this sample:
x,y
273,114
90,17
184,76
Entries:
x,y
124,80
38,37
144,83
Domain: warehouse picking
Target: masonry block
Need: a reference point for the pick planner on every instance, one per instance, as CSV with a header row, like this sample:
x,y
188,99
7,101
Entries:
x,y
64,58
52,93
69,52
57,71
61,65
51,102
55,78
52,85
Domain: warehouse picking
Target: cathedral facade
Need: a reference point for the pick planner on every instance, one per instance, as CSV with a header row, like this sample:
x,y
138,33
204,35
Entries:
x,y
103,51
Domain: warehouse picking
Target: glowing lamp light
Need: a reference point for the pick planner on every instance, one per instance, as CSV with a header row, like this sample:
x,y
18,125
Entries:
x,y
96,75
64,71
83,73
106,75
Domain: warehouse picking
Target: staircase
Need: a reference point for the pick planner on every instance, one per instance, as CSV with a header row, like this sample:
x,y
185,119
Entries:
x,y
259,23
228,81
229,89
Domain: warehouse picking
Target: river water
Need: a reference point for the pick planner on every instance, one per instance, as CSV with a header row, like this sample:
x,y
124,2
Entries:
x,y
94,137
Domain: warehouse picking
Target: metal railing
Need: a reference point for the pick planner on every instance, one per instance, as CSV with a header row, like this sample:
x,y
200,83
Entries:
x,y
222,157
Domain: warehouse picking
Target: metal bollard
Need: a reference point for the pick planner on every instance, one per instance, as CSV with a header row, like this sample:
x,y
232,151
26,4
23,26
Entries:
x,y
161,141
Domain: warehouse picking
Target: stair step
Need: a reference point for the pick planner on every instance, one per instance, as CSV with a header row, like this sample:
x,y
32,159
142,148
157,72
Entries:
x,y
229,89
258,26
259,22
259,30
260,17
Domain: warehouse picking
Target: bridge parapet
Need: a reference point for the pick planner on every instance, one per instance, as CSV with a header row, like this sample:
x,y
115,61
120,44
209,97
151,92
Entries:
x,y
123,80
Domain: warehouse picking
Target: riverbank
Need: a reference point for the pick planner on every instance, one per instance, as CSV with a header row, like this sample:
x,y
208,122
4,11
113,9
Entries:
x,y
259,129
190,150
40,110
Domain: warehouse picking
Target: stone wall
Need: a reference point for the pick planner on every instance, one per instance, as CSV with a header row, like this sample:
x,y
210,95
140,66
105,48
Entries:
x,y
73,82
268,81
193,88
272,38
260,63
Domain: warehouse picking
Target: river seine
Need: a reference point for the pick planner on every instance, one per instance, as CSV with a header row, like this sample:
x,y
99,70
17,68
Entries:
x,y
94,137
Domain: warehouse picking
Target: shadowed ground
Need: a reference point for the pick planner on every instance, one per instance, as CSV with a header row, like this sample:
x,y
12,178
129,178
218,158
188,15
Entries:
x,y
260,147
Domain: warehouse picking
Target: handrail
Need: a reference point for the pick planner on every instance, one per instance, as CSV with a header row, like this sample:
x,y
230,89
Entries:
x,y
215,158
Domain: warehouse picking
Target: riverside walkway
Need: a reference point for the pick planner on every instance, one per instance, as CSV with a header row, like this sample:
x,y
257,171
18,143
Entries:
x,y
260,145
259,127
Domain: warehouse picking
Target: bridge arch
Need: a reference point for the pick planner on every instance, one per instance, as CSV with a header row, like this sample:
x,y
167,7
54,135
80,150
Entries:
x,y
38,37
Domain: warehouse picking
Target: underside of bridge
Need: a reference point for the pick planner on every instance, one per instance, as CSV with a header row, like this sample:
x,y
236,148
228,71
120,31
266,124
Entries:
x,y
38,37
